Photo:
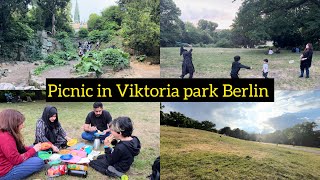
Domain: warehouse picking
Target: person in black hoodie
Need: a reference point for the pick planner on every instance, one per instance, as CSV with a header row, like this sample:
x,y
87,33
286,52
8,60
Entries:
x,y
48,129
187,65
236,66
117,160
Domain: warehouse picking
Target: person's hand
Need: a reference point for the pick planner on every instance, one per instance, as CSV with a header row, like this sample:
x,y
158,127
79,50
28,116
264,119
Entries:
x,y
93,128
107,130
55,149
37,147
108,140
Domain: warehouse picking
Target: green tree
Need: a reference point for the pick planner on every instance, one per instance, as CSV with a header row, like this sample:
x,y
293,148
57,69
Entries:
x,y
170,23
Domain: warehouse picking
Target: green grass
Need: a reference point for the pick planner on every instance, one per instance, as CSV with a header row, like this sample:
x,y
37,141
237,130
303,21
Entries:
x,y
72,116
216,63
195,154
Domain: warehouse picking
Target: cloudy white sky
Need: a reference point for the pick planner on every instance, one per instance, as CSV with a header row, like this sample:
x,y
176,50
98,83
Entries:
x,y
220,11
87,7
289,108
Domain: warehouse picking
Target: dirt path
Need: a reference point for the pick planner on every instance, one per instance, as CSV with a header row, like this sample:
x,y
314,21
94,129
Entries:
x,y
18,73
136,70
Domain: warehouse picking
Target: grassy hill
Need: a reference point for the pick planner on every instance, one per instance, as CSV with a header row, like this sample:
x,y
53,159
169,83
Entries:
x,y
216,63
195,154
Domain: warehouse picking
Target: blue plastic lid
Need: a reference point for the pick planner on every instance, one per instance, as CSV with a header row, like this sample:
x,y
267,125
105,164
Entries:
x,y
66,157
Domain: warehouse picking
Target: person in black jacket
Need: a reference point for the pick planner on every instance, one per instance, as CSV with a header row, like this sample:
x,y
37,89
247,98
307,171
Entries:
x,y
306,59
117,160
187,65
236,66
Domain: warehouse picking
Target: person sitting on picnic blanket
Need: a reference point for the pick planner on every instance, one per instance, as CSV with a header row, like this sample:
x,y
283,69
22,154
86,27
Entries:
x,y
17,161
97,120
117,161
48,129
235,68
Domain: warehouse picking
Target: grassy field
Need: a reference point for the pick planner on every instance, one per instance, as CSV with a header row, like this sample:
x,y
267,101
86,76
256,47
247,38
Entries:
x,y
216,63
72,116
196,154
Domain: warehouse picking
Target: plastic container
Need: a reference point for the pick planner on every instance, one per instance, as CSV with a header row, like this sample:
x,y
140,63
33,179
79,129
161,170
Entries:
x,y
82,174
96,143
77,167
66,157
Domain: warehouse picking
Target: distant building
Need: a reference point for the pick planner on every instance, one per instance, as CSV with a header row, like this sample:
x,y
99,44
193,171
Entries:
x,y
76,14
77,24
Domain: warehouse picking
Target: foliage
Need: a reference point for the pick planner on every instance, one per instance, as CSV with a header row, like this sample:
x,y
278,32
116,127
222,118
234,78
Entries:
x,y
140,28
83,32
141,58
170,28
95,60
88,63
116,58
180,120
97,35
287,23
94,22
42,68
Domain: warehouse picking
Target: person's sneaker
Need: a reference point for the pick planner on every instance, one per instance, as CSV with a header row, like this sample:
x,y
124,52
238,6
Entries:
x,y
300,76
307,76
113,170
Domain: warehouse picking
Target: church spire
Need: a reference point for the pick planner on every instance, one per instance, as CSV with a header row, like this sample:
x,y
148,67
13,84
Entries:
x,y
76,13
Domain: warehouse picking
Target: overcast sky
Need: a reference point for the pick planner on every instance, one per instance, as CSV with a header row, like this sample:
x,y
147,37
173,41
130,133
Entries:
x,y
220,11
87,7
289,108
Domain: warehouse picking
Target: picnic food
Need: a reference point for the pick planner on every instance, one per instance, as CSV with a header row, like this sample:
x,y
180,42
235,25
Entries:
x,y
46,146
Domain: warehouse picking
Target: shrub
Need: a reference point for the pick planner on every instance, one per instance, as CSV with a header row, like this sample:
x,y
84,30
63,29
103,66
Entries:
x,y
83,33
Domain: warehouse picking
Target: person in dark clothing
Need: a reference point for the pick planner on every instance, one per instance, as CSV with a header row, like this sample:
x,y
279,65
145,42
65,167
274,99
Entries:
x,y
306,59
48,129
97,120
117,160
236,66
187,65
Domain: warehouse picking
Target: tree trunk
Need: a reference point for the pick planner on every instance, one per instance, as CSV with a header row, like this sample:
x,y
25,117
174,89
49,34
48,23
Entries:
x,y
53,31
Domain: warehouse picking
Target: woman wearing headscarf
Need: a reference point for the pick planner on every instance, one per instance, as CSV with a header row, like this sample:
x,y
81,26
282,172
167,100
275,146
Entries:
x,y
306,59
187,65
48,129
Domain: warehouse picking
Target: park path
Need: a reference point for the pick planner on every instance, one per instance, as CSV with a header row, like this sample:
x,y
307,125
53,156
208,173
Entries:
x,y
299,148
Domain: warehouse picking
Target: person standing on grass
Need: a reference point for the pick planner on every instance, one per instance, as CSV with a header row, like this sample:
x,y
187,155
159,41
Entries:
x,y
117,160
16,159
236,66
265,69
306,59
48,129
187,65
97,120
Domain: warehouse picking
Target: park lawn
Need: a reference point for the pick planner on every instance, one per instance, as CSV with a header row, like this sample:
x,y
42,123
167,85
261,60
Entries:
x,y
72,116
216,63
196,154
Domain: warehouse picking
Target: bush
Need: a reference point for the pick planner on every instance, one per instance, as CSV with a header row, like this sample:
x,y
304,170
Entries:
x,y
83,33
89,64
116,58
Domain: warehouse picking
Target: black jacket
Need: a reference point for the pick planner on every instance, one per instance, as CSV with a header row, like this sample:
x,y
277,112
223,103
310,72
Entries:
x,y
236,66
123,154
306,63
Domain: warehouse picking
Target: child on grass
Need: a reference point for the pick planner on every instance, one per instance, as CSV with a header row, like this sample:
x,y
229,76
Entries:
x,y
235,68
265,68
116,161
